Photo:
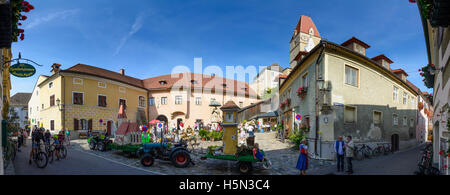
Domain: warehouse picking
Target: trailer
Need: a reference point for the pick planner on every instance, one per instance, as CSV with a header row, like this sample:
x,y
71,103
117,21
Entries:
x,y
244,162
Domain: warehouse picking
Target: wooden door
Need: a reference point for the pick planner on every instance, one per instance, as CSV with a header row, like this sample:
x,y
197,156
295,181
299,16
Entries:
x,y
108,127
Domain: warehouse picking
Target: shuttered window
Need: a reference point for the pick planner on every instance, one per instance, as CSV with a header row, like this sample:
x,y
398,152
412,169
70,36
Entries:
x,y
52,100
350,114
351,76
90,124
52,125
78,98
76,124
102,101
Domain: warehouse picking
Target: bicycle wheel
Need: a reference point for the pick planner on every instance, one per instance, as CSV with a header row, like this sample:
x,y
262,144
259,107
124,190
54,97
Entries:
x,y
376,152
63,152
41,160
50,155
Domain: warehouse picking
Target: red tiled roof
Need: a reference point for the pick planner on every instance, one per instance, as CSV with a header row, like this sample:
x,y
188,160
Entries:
x,y
95,71
127,127
413,86
382,56
201,81
397,71
300,53
229,104
304,24
355,40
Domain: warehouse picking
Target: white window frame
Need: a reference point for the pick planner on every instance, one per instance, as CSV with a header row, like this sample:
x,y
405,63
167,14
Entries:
x,y
74,80
395,93
139,101
405,99
164,102
198,100
357,76
98,100
151,103
394,119
305,82
180,100
74,99
405,121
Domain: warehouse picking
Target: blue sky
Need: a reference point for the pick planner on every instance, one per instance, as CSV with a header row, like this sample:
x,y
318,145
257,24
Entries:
x,y
148,38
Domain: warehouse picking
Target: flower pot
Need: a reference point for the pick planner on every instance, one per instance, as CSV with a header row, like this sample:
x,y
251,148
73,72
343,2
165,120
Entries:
x,y
203,139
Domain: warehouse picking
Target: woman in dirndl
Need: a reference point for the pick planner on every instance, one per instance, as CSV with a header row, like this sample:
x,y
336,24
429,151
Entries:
x,y
302,163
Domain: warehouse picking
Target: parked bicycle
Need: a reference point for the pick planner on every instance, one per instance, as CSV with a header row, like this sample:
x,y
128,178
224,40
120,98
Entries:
x,y
40,157
9,152
364,151
425,164
379,150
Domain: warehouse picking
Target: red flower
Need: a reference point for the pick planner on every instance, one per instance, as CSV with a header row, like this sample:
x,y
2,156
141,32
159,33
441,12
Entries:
x,y
24,17
31,7
26,9
21,30
432,65
441,152
421,74
445,166
22,36
412,1
20,24
420,70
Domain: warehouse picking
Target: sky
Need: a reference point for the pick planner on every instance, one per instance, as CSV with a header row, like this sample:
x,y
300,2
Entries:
x,y
150,37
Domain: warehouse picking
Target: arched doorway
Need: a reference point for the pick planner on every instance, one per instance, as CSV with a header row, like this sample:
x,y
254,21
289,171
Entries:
x,y
395,142
162,118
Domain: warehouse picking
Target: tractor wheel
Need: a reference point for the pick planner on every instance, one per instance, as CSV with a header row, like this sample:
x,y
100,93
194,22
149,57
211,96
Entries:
x,y
101,146
245,167
92,145
147,160
181,158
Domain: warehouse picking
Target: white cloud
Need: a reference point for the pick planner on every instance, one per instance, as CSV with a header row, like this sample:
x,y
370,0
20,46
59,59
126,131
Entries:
x,y
137,25
36,21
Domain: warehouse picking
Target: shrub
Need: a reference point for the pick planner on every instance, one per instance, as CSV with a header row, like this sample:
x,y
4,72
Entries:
x,y
203,133
297,137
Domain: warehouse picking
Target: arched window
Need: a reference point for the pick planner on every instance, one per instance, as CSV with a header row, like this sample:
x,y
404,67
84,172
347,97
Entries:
x,y
311,31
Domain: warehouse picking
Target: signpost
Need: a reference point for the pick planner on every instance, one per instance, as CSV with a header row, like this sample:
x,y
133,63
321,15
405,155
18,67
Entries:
x,y
22,70
298,117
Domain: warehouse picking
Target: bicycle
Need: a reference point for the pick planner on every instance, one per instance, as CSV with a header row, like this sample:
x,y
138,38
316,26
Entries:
x,y
363,152
387,148
378,150
9,152
40,157
425,166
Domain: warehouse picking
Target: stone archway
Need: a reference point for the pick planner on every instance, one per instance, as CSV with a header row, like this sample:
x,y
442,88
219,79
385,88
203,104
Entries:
x,y
162,118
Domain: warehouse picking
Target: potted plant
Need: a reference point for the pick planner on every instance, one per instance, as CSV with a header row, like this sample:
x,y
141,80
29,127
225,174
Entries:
x,y
211,136
302,91
420,106
428,78
203,134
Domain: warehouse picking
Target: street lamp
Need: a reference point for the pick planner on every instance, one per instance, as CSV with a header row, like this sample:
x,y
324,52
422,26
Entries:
x,y
58,102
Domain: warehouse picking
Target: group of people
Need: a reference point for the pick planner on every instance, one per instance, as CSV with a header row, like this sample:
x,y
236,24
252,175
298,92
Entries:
x,y
39,135
343,149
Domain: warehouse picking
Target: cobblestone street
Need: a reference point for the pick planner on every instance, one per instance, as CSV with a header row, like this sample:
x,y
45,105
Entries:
x,y
82,160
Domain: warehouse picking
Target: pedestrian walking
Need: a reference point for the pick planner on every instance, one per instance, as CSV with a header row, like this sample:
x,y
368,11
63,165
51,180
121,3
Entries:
x,y
349,150
339,149
302,163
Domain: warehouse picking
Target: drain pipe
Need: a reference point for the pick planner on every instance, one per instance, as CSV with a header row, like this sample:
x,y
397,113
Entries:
x,y
317,99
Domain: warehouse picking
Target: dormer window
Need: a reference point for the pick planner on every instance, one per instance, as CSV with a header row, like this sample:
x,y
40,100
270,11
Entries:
x,y
224,85
194,82
163,82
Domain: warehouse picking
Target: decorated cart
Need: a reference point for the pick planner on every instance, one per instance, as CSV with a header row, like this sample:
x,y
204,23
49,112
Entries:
x,y
243,154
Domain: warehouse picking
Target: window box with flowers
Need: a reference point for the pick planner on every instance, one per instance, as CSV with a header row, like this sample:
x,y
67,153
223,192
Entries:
x,y
305,127
420,106
302,91
428,78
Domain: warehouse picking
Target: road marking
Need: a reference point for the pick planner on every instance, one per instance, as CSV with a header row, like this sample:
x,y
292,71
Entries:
x,y
141,169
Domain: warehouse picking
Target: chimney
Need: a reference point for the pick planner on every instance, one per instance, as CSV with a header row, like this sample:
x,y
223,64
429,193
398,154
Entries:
x,y
356,45
383,61
55,68
122,71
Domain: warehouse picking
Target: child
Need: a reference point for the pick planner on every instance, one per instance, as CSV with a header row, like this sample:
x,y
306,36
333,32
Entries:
x,y
57,145
257,153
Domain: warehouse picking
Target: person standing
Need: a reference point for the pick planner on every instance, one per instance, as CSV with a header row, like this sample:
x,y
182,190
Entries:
x,y
47,136
349,149
339,149
68,136
302,163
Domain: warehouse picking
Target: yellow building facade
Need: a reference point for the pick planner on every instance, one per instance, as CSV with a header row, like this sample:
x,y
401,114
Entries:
x,y
78,99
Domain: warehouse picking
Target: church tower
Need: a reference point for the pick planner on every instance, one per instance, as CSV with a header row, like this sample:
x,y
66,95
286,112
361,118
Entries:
x,y
305,37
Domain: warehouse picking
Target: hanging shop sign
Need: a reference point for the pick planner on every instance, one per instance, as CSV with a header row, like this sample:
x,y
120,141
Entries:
x,y
22,70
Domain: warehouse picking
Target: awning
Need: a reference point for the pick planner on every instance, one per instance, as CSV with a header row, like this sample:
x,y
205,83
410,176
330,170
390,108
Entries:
x,y
265,115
